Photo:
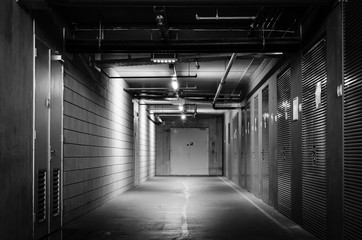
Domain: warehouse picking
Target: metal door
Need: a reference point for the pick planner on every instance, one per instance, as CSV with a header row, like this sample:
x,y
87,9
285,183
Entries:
x,y
189,151
242,165
42,140
314,135
255,153
284,143
228,151
56,143
235,149
352,121
247,149
265,145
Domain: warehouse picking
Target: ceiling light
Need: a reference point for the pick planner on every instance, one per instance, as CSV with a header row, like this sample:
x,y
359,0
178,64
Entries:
x,y
181,107
183,116
163,57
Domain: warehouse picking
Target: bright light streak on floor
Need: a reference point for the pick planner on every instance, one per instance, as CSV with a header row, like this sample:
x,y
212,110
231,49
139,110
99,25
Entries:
x,y
184,229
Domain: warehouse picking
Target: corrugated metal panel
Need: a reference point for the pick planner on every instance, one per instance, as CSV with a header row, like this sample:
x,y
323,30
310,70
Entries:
x,y
247,149
314,122
255,154
265,144
352,120
284,143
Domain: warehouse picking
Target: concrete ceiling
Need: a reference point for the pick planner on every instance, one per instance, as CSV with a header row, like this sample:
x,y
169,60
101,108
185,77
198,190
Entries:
x,y
120,37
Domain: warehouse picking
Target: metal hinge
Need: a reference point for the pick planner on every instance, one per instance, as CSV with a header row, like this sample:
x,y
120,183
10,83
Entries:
x,y
47,103
34,134
35,52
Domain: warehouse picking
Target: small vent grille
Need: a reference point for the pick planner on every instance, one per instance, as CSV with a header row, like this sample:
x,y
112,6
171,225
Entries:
x,y
56,192
265,144
314,122
284,143
42,179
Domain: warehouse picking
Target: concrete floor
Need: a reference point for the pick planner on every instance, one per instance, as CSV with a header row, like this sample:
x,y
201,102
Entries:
x,y
184,208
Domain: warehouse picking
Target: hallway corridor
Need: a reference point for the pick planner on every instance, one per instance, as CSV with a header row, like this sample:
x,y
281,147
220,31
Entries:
x,y
184,208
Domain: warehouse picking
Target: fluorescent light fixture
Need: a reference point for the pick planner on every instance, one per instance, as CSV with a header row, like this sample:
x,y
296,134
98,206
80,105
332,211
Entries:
x,y
164,58
183,116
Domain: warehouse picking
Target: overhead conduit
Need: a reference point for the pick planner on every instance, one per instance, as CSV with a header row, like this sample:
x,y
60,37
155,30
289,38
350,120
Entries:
x,y
222,82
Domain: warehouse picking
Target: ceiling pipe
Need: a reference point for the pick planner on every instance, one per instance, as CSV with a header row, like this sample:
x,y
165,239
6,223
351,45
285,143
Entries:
x,y
184,3
246,45
130,77
217,17
158,89
222,81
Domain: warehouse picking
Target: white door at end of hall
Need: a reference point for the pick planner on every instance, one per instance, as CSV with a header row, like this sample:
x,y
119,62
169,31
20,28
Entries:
x,y
189,151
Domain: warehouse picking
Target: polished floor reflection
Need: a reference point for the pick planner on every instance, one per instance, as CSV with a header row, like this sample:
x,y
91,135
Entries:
x,y
183,208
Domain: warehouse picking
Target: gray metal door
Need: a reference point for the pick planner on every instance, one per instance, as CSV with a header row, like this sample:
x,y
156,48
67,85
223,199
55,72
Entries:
x,y
314,136
284,143
352,121
255,153
235,149
265,145
242,165
228,152
42,140
189,151
247,149
56,143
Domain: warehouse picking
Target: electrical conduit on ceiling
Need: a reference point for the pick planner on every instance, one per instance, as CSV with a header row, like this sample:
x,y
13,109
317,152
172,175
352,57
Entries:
x,y
223,79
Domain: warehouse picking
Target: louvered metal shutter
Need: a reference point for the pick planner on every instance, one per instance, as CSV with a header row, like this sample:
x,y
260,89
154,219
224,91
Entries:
x,y
247,149
314,122
265,145
42,195
56,192
352,120
255,153
284,143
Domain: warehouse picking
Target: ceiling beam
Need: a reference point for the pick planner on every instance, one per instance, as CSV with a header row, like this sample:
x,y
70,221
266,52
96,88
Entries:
x,y
188,3
219,46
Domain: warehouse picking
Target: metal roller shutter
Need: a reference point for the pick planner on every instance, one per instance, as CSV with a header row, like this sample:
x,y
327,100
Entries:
x,y
265,144
255,155
314,136
352,120
284,143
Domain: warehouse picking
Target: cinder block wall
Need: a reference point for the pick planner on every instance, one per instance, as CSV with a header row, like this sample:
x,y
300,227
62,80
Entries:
x,y
98,140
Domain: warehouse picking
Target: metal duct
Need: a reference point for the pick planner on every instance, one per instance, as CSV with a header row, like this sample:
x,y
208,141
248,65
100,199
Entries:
x,y
183,46
222,81
187,3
